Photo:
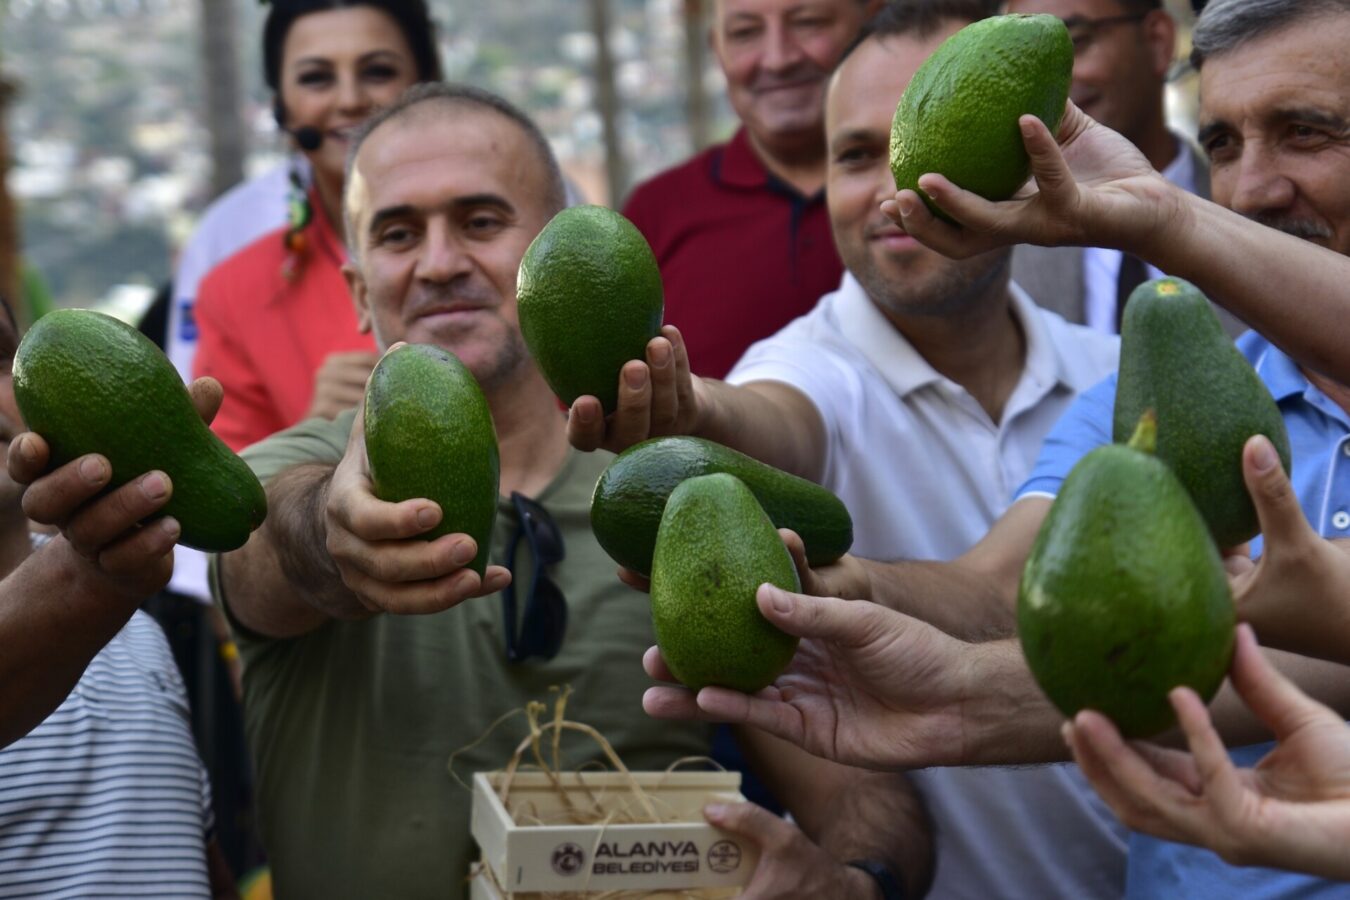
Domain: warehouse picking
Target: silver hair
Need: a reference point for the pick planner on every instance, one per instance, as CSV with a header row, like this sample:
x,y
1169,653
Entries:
x,y
1225,25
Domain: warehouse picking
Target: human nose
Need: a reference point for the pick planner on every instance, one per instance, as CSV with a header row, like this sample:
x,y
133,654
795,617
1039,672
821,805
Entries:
x,y
442,257
781,50
1260,185
352,97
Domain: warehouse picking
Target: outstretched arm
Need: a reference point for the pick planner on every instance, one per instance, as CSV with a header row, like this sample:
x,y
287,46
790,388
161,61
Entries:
x,y
331,549
1292,810
658,396
62,604
1093,188
840,813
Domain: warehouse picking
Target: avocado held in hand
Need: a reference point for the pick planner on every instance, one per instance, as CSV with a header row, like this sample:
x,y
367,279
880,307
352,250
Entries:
x,y
429,434
1124,597
589,297
715,547
958,116
89,383
631,495
1176,360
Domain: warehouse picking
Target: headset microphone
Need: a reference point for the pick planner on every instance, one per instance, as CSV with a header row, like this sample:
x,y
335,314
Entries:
x,y
308,138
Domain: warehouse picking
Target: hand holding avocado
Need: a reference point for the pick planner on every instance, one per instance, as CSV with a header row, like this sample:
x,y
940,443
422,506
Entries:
x,y
875,688
381,551
1288,811
1092,188
113,533
656,396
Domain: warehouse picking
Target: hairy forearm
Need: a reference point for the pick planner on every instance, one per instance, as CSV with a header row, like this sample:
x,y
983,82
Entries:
x,y
1253,271
283,582
55,616
966,604
878,816
769,421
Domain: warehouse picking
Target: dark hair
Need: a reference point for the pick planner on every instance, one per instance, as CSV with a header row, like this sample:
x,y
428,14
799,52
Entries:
x,y
920,18
451,94
411,15
1225,25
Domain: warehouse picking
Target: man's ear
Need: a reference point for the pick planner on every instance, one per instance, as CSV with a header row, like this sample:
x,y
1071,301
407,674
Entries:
x,y
356,285
1160,30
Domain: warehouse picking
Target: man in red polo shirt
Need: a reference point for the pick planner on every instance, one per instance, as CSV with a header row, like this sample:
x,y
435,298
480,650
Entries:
x,y
741,230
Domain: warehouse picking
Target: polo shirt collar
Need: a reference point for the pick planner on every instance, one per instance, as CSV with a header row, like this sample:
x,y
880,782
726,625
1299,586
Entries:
x,y
905,370
738,166
1280,373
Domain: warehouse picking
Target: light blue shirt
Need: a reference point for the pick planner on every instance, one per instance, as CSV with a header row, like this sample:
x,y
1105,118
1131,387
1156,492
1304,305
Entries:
x,y
1319,440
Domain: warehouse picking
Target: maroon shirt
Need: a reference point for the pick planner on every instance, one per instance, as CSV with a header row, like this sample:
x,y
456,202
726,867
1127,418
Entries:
x,y
742,253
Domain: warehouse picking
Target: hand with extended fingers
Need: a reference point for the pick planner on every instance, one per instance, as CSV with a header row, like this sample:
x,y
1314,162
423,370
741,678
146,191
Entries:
x,y
1292,810
1092,188
657,396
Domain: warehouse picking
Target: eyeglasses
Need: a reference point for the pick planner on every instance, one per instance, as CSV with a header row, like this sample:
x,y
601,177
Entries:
x,y
1083,31
545,621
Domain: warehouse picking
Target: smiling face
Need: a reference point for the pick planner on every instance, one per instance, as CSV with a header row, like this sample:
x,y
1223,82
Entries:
x,y
1119,66
443,201
900,275
339,66
1275,121
777,56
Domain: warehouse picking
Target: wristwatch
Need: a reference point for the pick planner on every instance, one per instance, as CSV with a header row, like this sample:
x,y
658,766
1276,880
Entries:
x,y
892,888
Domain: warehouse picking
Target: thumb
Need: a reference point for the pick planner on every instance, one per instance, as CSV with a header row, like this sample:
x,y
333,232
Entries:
x,y
848,622
1275,699
747,820
207,395
1277,506
1053,178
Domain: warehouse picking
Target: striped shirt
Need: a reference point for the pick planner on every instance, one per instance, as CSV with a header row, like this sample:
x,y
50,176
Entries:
x,y
108,797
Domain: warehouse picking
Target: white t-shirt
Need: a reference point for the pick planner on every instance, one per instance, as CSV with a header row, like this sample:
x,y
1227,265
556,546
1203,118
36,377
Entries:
x,y
236,219
925,472
1101,265
107,797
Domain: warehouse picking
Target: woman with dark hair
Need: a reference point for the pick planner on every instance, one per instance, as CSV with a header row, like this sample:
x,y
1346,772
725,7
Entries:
x,y
275,322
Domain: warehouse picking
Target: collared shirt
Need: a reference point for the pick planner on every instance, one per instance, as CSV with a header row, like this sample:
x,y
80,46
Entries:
x,y
1101,265
1319,443
924,471
742,253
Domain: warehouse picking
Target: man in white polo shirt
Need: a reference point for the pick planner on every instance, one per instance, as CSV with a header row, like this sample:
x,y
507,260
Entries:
x,y
919,392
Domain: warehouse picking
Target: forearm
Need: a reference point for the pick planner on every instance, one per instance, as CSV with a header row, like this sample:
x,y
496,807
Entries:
x,y
1006,718
1325,682
55,616
965,603
849,813
1254,271
283,582
769,421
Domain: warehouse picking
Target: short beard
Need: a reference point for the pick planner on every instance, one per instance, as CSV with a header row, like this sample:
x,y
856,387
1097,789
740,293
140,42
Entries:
x,y
950,292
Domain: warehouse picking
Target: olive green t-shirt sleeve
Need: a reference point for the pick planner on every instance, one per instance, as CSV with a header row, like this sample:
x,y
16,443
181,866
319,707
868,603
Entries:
x,y
311,441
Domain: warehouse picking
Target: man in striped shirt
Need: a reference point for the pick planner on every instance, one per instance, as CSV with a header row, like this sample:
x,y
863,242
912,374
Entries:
x,y
102,793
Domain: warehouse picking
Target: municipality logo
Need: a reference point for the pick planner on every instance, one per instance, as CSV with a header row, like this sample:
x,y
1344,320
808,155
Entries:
x,y
724,857
568,859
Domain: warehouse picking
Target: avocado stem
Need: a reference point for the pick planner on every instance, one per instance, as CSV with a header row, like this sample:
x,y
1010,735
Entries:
x,y
1145,437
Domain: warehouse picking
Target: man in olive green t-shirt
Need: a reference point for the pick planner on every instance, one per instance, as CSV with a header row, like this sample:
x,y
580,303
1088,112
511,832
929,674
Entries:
x,y
372,655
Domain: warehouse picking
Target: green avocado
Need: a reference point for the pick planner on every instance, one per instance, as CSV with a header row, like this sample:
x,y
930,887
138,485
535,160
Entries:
x,y
631,495
958,116
89,383
1124,596
1176,360
714,549
589,297
429,434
